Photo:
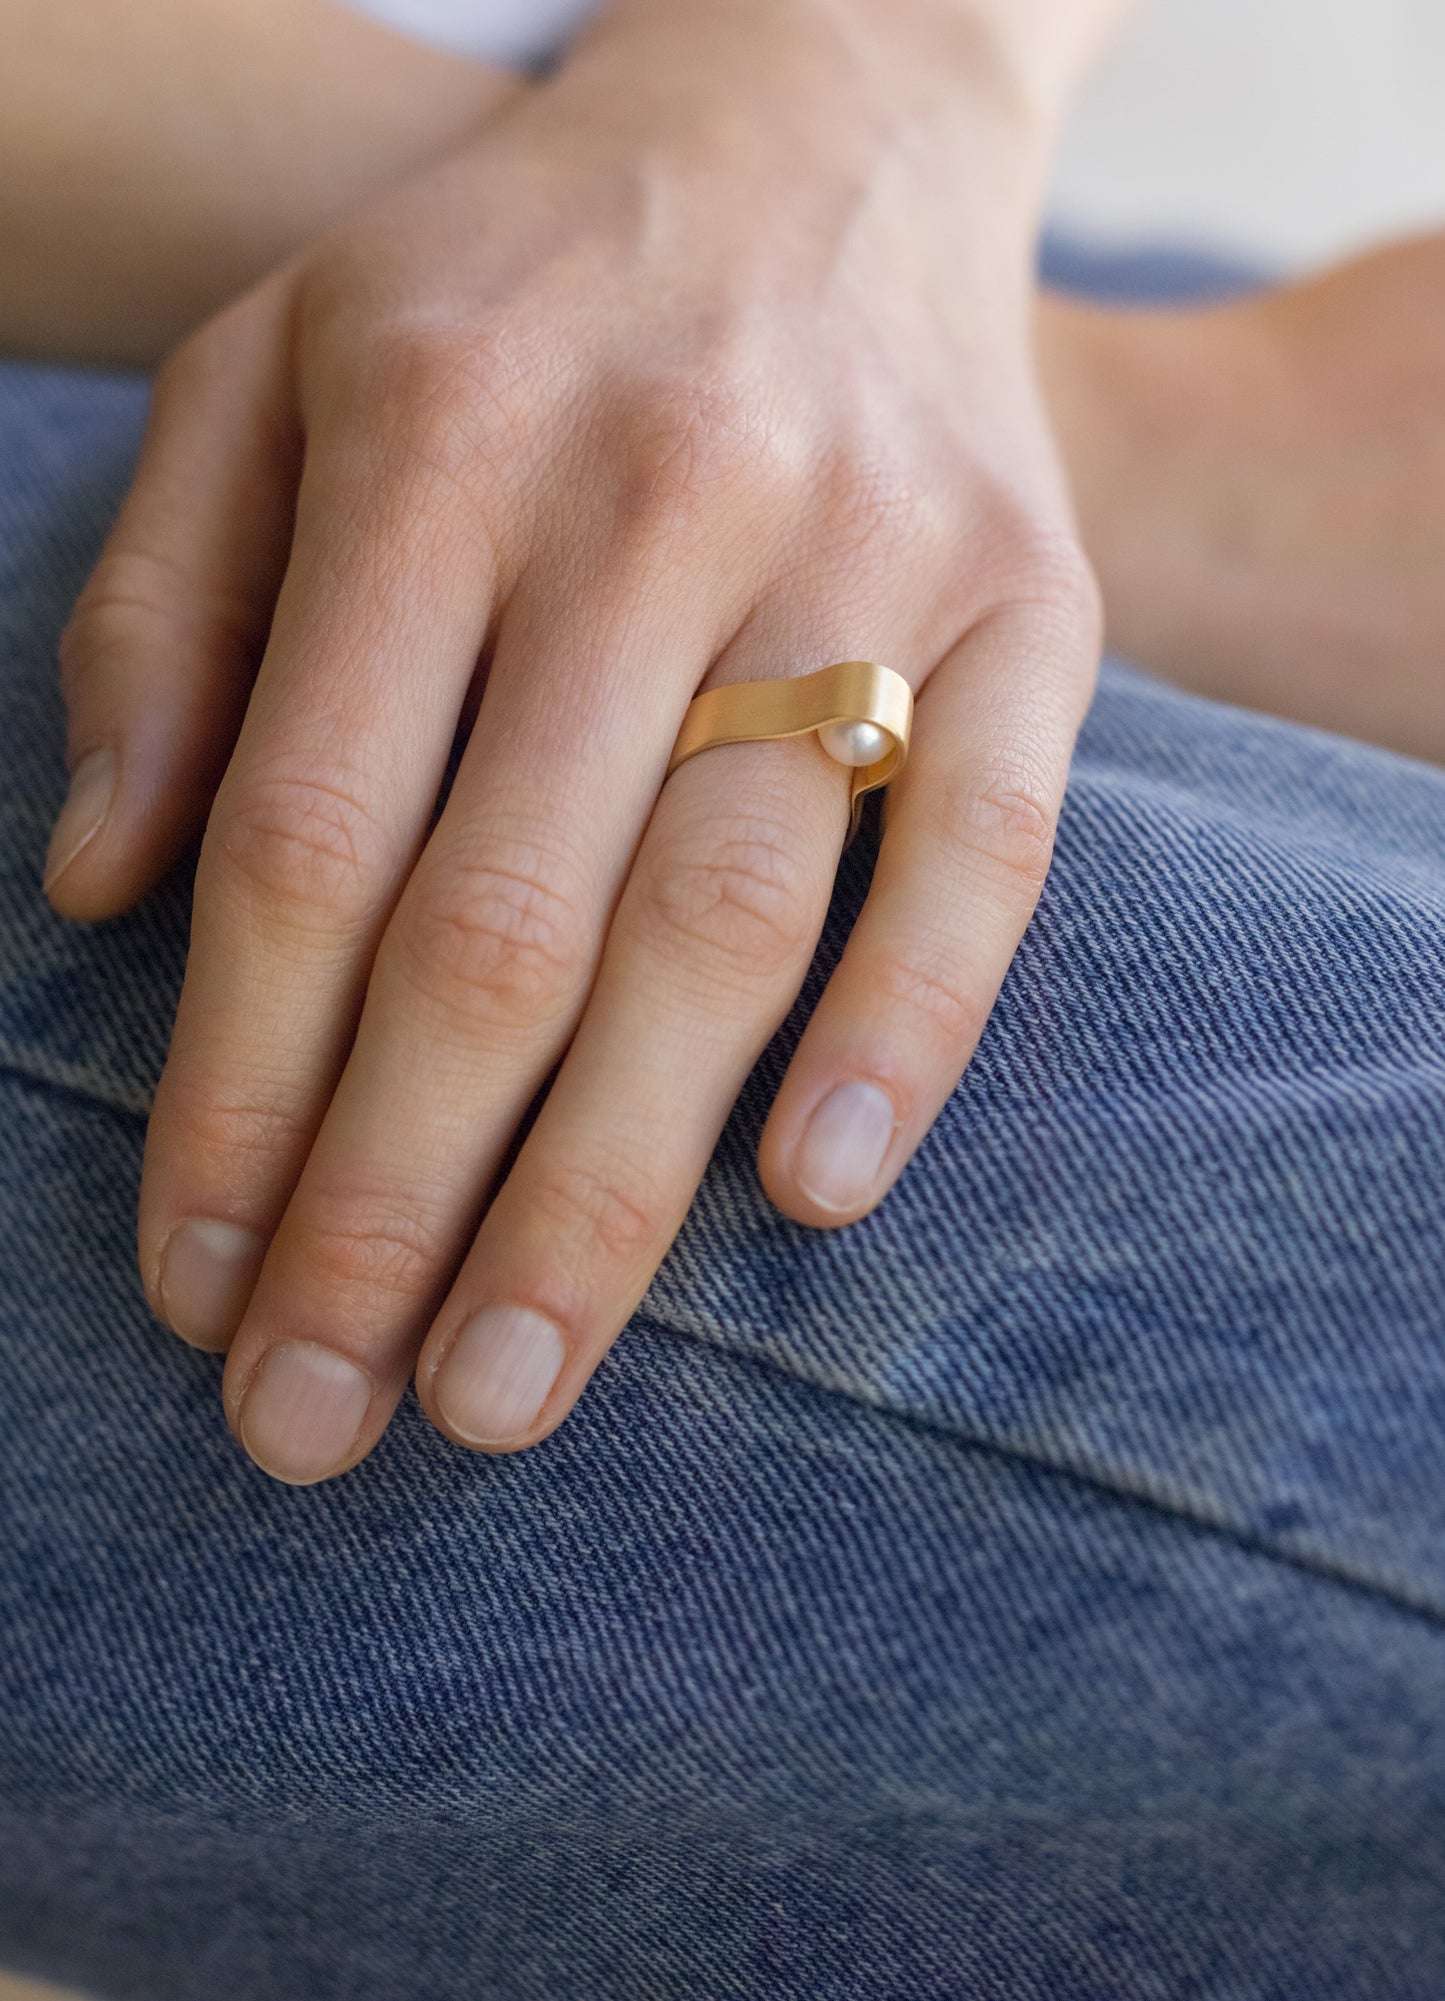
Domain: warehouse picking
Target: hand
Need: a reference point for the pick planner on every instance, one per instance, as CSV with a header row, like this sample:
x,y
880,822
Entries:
x,y
1261,490
674,377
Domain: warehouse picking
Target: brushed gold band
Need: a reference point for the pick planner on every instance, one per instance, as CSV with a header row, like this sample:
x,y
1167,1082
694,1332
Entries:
x,y
854,706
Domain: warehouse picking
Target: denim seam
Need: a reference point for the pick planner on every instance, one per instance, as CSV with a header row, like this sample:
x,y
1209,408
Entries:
x,y
1322,1570
85,1093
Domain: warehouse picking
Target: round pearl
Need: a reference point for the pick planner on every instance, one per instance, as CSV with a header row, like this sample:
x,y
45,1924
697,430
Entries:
x,y
854,743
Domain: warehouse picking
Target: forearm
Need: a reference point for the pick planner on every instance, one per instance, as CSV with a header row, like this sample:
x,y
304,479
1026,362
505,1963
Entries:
x,y
158,155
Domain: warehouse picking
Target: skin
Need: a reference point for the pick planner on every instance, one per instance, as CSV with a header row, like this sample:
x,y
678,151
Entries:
x,y
559,408
560,405
1262,491
1256,484
158,156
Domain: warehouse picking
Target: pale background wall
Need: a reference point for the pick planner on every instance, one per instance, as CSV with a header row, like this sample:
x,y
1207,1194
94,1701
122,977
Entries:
x,y
1291,128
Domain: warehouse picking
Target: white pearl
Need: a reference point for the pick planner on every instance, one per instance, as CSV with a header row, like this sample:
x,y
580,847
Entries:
x,y
854,743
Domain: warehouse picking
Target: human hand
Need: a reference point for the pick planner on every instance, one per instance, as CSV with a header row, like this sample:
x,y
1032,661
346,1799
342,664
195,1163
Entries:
x,y
1262,490
674,377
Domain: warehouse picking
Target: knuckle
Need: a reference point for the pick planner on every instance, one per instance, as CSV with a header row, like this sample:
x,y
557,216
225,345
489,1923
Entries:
x,y
1003,826
136,594
306,844
444,402
424,379
112,623
600,1214
224,1135
502,938
929,987
1016,553
1052,574
736,894
881,509
1070,585
370,1243
690,435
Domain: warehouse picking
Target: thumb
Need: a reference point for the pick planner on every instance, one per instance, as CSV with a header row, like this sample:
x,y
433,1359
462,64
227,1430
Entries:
x,y
158,658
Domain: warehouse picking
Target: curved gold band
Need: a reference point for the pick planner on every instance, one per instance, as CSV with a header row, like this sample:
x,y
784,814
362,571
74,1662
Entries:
x,y
852,692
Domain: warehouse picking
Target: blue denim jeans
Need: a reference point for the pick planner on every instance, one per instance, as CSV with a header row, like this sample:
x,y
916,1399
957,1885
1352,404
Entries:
x,y
1034,1590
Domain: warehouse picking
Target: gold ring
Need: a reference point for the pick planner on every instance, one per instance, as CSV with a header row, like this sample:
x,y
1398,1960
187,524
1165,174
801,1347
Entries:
x,y
862,713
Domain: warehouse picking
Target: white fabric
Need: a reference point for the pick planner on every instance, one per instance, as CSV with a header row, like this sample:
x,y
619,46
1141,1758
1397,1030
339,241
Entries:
x,y
515,33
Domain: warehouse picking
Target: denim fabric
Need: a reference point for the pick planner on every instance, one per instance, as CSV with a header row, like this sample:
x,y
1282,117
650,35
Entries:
x,y
1032,1593
1148,273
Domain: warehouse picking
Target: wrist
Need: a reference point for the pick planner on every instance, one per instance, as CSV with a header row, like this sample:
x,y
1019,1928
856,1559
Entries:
x,y
775,112
1018,60
1156,415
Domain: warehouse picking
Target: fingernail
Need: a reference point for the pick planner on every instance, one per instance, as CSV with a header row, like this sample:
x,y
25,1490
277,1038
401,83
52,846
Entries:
x,y
301,1412
498,1373
843,1146
92,787
208,1273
